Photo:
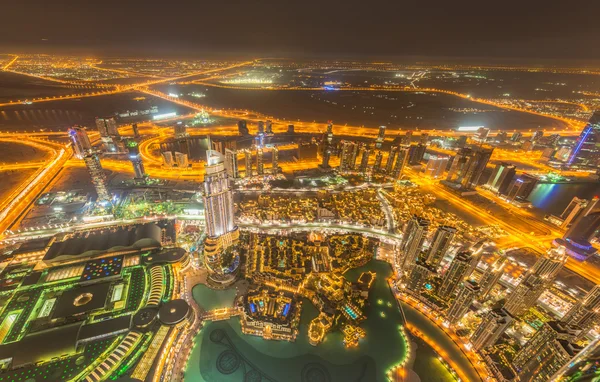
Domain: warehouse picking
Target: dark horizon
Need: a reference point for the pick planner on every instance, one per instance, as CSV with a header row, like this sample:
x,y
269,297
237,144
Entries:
x,y
313,29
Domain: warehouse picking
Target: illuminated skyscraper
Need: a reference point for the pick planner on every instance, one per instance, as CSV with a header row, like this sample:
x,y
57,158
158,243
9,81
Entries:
x,y
136,160
92,162
583,230
412,241
231,163
275,169
182,160
535,281
516,137
380,137
522,187
493,324
586,152
349,154
416,154
401,159
80,140
467,167
418,275
290,129
491,276
581,368
260,163
261,127
136,130
535,137
269,127
467,291
180,130
364,159
440,243
326,147
575,207
248,162
243,128
218,209
107,127
378,160
501,177
436,165
167,157
546,352
585,313
455,274
389,164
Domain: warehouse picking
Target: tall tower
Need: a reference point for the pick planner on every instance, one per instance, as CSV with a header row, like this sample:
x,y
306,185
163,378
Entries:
x,y
585,227
243,128
501,177
585,313
440,244
467,292
378,160
275,169
92,162
412,241
136,160
493,324
416,153
436,165
535,281
455,274
572,211
167,157
348,159
364,159
136,130
269,127
248,162
231,164
389,164
467,167
107,127
80,140
180,130
491,276
220,228
401,159
418,274
260,164
380,137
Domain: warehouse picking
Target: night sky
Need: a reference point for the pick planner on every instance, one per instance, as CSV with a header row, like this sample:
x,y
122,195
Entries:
x,y
352,28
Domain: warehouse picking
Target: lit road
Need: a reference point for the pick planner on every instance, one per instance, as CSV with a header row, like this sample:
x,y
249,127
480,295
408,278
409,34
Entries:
x,y
5,67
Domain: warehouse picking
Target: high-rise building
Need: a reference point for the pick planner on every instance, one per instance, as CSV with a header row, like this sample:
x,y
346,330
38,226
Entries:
x,y
455,274
248,162
583,230
581,368
440,243
290,129
364,159
329,132
436,165
467,167
167,158
261,127
243,128
80,140
501,177
269,127
418,275
586,152
180,130
326,147
416,154
220,227
401,159
412,241
260,163
423,139
535,281
136,130
380,137
92,162
348,157
585,313
491,276
231,164
546,352
275,169
516,137
182,160
136,160
378,160
522,186
575,207
493,324
467,292
391,159
107,127
482,134
535,137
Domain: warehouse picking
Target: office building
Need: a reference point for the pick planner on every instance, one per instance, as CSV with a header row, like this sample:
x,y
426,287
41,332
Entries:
x,y
231,164
243,128
260,163
586,151
391,160
80,140
182,160
522,187
180,130
584,229
436,166
501,137
380,137
136,160
364,159
261,127
418,275
516,137
546,352
248,162
467,292
585,313
92,162
269,127
416,153
107,127
167,158
535,137
492,326
401,158
570,213
440,243
423,139
378,160
491,276
136,130
220,227
455,274
348,157
467,167
482,134
412,241
535,281
275,169
501,177
290,129
581,368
